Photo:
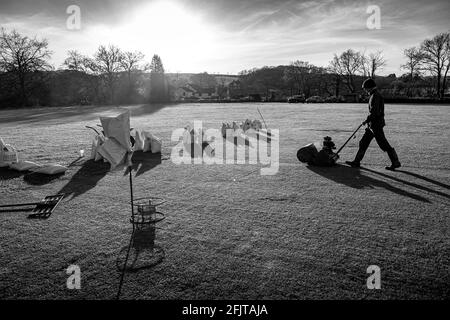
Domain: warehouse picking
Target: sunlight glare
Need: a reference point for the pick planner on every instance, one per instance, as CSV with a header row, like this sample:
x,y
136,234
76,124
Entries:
x,y
172,31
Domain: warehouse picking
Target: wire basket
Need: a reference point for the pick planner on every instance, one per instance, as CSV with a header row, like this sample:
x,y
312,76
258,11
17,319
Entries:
x,y
145,211
8,155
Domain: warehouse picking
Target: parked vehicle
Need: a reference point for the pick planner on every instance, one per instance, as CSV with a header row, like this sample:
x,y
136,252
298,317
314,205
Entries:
x,y
334,99
296,99
315,99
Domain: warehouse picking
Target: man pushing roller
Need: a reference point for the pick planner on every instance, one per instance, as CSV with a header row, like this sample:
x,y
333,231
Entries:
x,y
375,123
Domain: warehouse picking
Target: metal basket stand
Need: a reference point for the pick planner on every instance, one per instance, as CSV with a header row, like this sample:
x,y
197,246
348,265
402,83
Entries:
x,y
145,212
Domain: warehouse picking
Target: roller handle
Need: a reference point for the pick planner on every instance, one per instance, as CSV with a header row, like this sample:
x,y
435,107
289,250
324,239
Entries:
x,y
354,132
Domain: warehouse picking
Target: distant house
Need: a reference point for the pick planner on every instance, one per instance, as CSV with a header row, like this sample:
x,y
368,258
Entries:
x,y
184,93
204,93
193,92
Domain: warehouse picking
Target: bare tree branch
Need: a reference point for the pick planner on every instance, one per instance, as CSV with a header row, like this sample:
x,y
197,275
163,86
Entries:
x,y
347,66
436,58
22,55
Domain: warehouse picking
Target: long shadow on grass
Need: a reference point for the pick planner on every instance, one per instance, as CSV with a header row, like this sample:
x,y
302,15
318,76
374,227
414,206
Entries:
x,y
415,185
141,252
415,175
45,115
40,179
36,179
85,178
32,178
8,174
147,109
71,114
354,178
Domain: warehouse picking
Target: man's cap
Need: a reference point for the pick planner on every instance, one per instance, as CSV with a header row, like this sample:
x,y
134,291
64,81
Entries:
x,y
369,84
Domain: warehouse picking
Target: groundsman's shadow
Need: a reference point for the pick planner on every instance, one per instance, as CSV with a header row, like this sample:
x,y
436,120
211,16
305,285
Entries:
x,y
355,178
418,176
412,184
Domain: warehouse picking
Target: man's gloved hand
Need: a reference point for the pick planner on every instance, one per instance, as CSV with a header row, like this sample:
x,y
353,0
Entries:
x,y
364,122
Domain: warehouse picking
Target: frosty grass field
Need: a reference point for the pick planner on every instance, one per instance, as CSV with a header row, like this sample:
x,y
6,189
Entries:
x,y
304,233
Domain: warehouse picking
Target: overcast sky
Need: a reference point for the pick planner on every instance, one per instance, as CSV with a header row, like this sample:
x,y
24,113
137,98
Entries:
x,y
228,36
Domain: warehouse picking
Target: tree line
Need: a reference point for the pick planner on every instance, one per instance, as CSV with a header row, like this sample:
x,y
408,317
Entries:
x,y
426,73
112,75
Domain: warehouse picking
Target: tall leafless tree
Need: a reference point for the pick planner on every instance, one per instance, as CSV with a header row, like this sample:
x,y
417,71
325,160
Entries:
x,y
109,63
414,59
446,69
132,63
74,60
299,73
78,62
347,65
372,63
436,58
21,56
413,65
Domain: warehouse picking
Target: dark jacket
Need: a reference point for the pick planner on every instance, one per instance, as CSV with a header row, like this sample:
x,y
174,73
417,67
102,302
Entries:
x,y
375,119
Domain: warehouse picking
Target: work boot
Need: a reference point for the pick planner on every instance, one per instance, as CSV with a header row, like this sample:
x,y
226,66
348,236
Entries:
x,y
394,159
357,162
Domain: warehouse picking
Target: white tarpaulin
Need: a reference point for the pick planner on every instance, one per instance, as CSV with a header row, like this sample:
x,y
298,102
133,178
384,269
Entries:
x,y
8,154
138,141
117,144
118,128
151,142
96,144
113,152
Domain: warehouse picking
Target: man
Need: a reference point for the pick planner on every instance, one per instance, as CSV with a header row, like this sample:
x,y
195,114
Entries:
x,y
375,122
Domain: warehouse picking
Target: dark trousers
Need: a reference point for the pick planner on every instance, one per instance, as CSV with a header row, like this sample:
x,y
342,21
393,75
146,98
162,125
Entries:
x,y
379,136
365,141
